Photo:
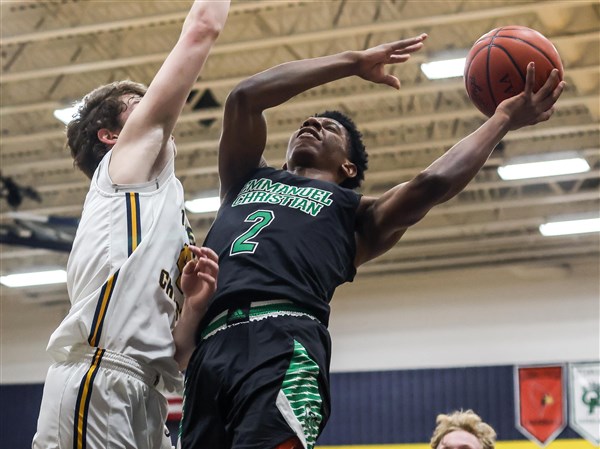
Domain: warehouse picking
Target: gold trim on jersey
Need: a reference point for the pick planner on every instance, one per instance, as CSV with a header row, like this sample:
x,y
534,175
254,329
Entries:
x,y
83,402
134,227
101,307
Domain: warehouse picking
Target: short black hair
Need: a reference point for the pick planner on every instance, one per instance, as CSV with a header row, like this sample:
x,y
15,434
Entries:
x,y
358,153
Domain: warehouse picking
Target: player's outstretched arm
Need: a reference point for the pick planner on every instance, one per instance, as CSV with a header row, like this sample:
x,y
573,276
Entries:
x,y
142,147
384,220
244,128
198,282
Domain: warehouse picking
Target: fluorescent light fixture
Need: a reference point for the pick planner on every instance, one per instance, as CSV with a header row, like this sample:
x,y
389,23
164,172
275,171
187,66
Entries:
x,y
65,115
448,68
35,278
543,168
202,205
583,226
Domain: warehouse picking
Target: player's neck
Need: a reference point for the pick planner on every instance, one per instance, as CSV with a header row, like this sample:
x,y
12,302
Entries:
x,y
314,173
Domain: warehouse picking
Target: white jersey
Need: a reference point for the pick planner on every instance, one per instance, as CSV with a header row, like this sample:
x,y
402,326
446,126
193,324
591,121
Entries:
x,y
124,272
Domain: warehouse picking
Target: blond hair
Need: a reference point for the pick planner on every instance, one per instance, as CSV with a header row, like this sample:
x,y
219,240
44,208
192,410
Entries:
x,y
468,421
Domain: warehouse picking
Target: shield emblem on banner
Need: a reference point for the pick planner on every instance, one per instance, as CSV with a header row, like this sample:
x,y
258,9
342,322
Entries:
x,y
540,402
584,400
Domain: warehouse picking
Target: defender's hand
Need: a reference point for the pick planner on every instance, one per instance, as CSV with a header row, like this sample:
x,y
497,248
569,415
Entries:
x,y
199,278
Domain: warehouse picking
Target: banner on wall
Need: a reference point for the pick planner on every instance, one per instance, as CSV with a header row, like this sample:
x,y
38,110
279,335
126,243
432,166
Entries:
x,y
540,402
584,400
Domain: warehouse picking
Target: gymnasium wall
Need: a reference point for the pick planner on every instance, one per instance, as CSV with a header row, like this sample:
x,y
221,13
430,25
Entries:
x,y
405,348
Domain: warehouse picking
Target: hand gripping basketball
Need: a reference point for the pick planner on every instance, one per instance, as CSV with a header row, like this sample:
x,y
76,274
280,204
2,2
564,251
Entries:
x,y
496,66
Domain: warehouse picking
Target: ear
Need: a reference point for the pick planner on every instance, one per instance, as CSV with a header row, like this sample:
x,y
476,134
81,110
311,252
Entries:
x,y
349,169
107,136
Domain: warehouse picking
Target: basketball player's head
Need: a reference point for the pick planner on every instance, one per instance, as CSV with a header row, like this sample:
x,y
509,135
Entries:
x,y
462,430
331,142
102,114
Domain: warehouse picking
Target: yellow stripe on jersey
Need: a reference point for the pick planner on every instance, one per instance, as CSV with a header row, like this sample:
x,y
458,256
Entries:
x,y
83,402
134,238
134,228
101,307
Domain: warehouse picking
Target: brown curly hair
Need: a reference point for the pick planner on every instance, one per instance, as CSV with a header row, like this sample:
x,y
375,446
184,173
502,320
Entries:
x,y
468,421
99,109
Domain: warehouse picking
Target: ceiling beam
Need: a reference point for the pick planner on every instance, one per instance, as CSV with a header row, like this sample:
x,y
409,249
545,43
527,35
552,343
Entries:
x,y
284,135
397,175
259,44
448,85
417,233
545,254
452,207
479,244
528,133
134,22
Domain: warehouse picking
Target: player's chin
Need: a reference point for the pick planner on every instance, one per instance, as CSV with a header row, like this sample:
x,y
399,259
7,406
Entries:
x,y
302,149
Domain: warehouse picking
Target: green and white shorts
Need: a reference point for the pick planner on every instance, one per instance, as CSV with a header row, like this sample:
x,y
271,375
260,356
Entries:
x,y
258,377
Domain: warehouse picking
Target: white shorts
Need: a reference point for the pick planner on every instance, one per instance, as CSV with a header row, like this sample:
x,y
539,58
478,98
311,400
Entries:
x,y
99,399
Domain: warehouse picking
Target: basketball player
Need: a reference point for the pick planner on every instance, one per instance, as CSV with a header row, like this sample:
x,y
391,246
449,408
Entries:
x,y
462,430
286,239
133,261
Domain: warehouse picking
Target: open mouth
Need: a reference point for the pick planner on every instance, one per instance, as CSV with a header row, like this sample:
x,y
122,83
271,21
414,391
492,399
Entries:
x,y
309,131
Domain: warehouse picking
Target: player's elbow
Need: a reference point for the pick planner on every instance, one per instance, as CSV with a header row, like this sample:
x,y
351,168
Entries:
x,y
239,95
202,32
204,25
241,99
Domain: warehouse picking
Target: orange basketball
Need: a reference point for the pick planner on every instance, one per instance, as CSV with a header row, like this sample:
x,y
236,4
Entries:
x,y
496,65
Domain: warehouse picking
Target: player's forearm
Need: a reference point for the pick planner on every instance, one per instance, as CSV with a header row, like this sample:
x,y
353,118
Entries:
x,y
280,83
462,162
408,203
184,335
459,165
143,148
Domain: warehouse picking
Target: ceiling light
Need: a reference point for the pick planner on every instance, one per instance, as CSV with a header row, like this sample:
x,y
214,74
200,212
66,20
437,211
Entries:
x,y
65,115
539,169
35,278
448,68
582,226
202,205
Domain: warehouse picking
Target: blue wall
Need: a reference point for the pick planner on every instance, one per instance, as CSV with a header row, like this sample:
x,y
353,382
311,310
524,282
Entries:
x,y
386,407
381,407
19,409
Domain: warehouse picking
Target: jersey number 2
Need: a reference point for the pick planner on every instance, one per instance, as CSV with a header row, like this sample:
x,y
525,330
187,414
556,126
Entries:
x,y
244,243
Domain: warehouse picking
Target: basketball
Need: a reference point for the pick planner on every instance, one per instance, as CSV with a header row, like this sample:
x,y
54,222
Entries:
x,y
496,65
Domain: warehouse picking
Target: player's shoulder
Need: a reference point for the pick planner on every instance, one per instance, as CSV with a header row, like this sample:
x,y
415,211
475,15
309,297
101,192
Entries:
x,y
365,204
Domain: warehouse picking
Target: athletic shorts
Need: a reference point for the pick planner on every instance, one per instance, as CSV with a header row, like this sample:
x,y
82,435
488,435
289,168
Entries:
x,y
99,399
257,380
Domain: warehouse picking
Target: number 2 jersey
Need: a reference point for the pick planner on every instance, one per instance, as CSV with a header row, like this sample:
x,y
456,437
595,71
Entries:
x,y
283,236
124,271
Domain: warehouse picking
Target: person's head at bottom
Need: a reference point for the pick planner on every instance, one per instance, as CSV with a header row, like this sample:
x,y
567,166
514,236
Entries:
x,y
462,430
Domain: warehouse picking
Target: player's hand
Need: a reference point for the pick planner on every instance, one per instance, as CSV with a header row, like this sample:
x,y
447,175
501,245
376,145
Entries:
x,y
529,107
372,62
199,278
